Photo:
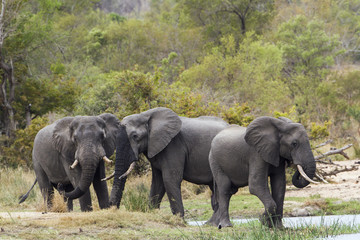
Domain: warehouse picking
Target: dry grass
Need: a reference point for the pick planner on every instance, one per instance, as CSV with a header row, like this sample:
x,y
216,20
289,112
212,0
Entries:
x,y
58,204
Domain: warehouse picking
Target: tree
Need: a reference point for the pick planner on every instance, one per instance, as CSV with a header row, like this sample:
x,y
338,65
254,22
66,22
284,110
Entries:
x,y
219,18
8,15
23,31
309,52
249,73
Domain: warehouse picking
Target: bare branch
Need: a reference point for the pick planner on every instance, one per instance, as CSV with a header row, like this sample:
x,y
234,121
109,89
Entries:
x,y
2,13
324,143
335,151
338,170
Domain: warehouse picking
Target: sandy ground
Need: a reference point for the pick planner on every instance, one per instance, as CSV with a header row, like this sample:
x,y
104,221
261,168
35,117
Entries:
x,y
32,215
344,185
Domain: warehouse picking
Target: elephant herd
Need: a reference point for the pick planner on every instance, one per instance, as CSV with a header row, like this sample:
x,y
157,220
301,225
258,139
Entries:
x,y
70,155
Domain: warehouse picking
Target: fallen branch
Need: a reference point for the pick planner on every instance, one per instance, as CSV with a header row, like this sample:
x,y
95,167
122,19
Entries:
x,y
320,173
335,151
337,170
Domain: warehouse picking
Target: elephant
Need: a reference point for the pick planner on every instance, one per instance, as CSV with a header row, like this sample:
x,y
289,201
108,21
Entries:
x,y
242,157
69,155
177,148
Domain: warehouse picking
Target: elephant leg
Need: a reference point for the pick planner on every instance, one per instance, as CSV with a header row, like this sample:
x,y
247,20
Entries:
x,y
85,202
46,187
278,186
172,182
223,185
100,187
157,190
214,203
214,220
258,186
48,195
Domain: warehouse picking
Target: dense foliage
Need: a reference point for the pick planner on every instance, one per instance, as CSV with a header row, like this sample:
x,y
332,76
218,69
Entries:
x,y
235,59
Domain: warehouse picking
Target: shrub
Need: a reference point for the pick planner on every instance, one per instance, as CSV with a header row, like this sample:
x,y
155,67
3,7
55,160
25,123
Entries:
x,y
19,152
319,131
238,114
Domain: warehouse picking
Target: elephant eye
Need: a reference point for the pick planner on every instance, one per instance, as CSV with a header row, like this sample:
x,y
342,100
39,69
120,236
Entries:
x,y
294,143
135,136
103,135
75,137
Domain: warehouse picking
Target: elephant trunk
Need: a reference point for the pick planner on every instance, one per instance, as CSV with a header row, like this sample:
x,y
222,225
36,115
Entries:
x,y
309,168
87,176
124,157
119,184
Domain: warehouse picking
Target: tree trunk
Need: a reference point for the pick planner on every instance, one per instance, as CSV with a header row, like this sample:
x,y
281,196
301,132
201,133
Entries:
x,y
8,13
8,95
28,115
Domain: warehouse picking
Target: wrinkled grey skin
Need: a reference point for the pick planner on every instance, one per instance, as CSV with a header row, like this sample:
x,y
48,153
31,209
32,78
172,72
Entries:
x,y
56,146
177,148
242,157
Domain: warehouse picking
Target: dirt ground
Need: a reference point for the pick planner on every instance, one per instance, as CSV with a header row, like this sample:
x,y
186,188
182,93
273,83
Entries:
x,y
344,185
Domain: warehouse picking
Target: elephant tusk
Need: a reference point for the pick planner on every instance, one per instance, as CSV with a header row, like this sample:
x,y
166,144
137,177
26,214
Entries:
x,y
303,174
128,171
109,177
320,177
107,160
75,163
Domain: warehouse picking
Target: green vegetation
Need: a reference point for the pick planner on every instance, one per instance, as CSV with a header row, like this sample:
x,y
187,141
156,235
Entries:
x,y
234,59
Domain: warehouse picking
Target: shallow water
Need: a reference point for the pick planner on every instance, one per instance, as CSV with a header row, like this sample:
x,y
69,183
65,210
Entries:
x,y
355,236
303,221
293,222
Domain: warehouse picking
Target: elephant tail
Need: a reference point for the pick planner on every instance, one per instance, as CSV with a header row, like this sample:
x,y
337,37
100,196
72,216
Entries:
x,y
25,196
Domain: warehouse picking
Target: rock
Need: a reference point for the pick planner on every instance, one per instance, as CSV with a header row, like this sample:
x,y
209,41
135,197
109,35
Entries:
x,y
306,211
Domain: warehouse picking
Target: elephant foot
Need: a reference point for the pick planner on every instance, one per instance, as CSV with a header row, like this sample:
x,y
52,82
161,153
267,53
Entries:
x,y
271,221
211,223
219,224
225,223
104,205
86,209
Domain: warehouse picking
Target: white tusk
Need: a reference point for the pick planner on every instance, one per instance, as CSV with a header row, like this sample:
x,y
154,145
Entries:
x,y
303,174
128,171
107,160
320,177
75,163
109,177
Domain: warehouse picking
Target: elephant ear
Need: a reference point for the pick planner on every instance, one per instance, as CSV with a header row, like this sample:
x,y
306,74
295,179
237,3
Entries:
x,y
164,125
112,128
62,137
285,119
263,135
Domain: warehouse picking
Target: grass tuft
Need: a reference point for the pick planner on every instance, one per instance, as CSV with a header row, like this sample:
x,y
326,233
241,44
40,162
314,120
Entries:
x,y
58,204
136,198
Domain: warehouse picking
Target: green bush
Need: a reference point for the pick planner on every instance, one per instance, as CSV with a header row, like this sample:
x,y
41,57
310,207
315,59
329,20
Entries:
x,y
238,114
319,131
19,151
